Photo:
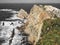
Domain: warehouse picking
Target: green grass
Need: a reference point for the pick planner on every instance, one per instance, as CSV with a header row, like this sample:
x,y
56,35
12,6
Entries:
x,y
50,32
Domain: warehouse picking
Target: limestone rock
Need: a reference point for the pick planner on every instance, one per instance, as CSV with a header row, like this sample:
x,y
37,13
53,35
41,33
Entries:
x,y
26,28
22,14
52,10
34,24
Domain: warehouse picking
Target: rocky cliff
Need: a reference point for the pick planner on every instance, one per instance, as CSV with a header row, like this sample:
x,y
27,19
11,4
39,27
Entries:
x,y
23,28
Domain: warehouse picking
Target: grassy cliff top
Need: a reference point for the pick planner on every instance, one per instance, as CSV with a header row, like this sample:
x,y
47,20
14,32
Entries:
x,y
50,32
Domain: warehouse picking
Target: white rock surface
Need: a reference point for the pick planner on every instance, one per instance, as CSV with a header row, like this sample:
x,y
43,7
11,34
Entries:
x,y
53,10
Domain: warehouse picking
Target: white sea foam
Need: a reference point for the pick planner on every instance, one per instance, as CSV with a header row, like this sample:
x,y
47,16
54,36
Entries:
x,y
7,28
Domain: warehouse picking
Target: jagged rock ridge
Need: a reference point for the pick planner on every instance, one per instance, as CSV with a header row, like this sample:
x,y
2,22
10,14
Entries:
x,y
27,28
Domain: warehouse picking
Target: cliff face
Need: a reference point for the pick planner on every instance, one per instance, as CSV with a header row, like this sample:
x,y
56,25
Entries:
x,y
34,23
35,20
24,28
55,12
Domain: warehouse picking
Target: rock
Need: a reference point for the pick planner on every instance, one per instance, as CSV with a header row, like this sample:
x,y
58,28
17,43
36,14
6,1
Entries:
x,y
53,10
22,14
34,23
24,28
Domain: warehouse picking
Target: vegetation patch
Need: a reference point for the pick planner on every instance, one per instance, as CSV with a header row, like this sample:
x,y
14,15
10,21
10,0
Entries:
x,y
50,32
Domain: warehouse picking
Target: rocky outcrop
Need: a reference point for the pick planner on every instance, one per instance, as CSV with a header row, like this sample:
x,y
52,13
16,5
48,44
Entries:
x,y
35,20
34,23
55,12
24,28
22,14
36,17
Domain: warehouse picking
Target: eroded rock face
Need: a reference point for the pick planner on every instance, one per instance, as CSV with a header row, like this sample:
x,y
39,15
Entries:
x,y
34,23
22,14
35,20
52,10
24,28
